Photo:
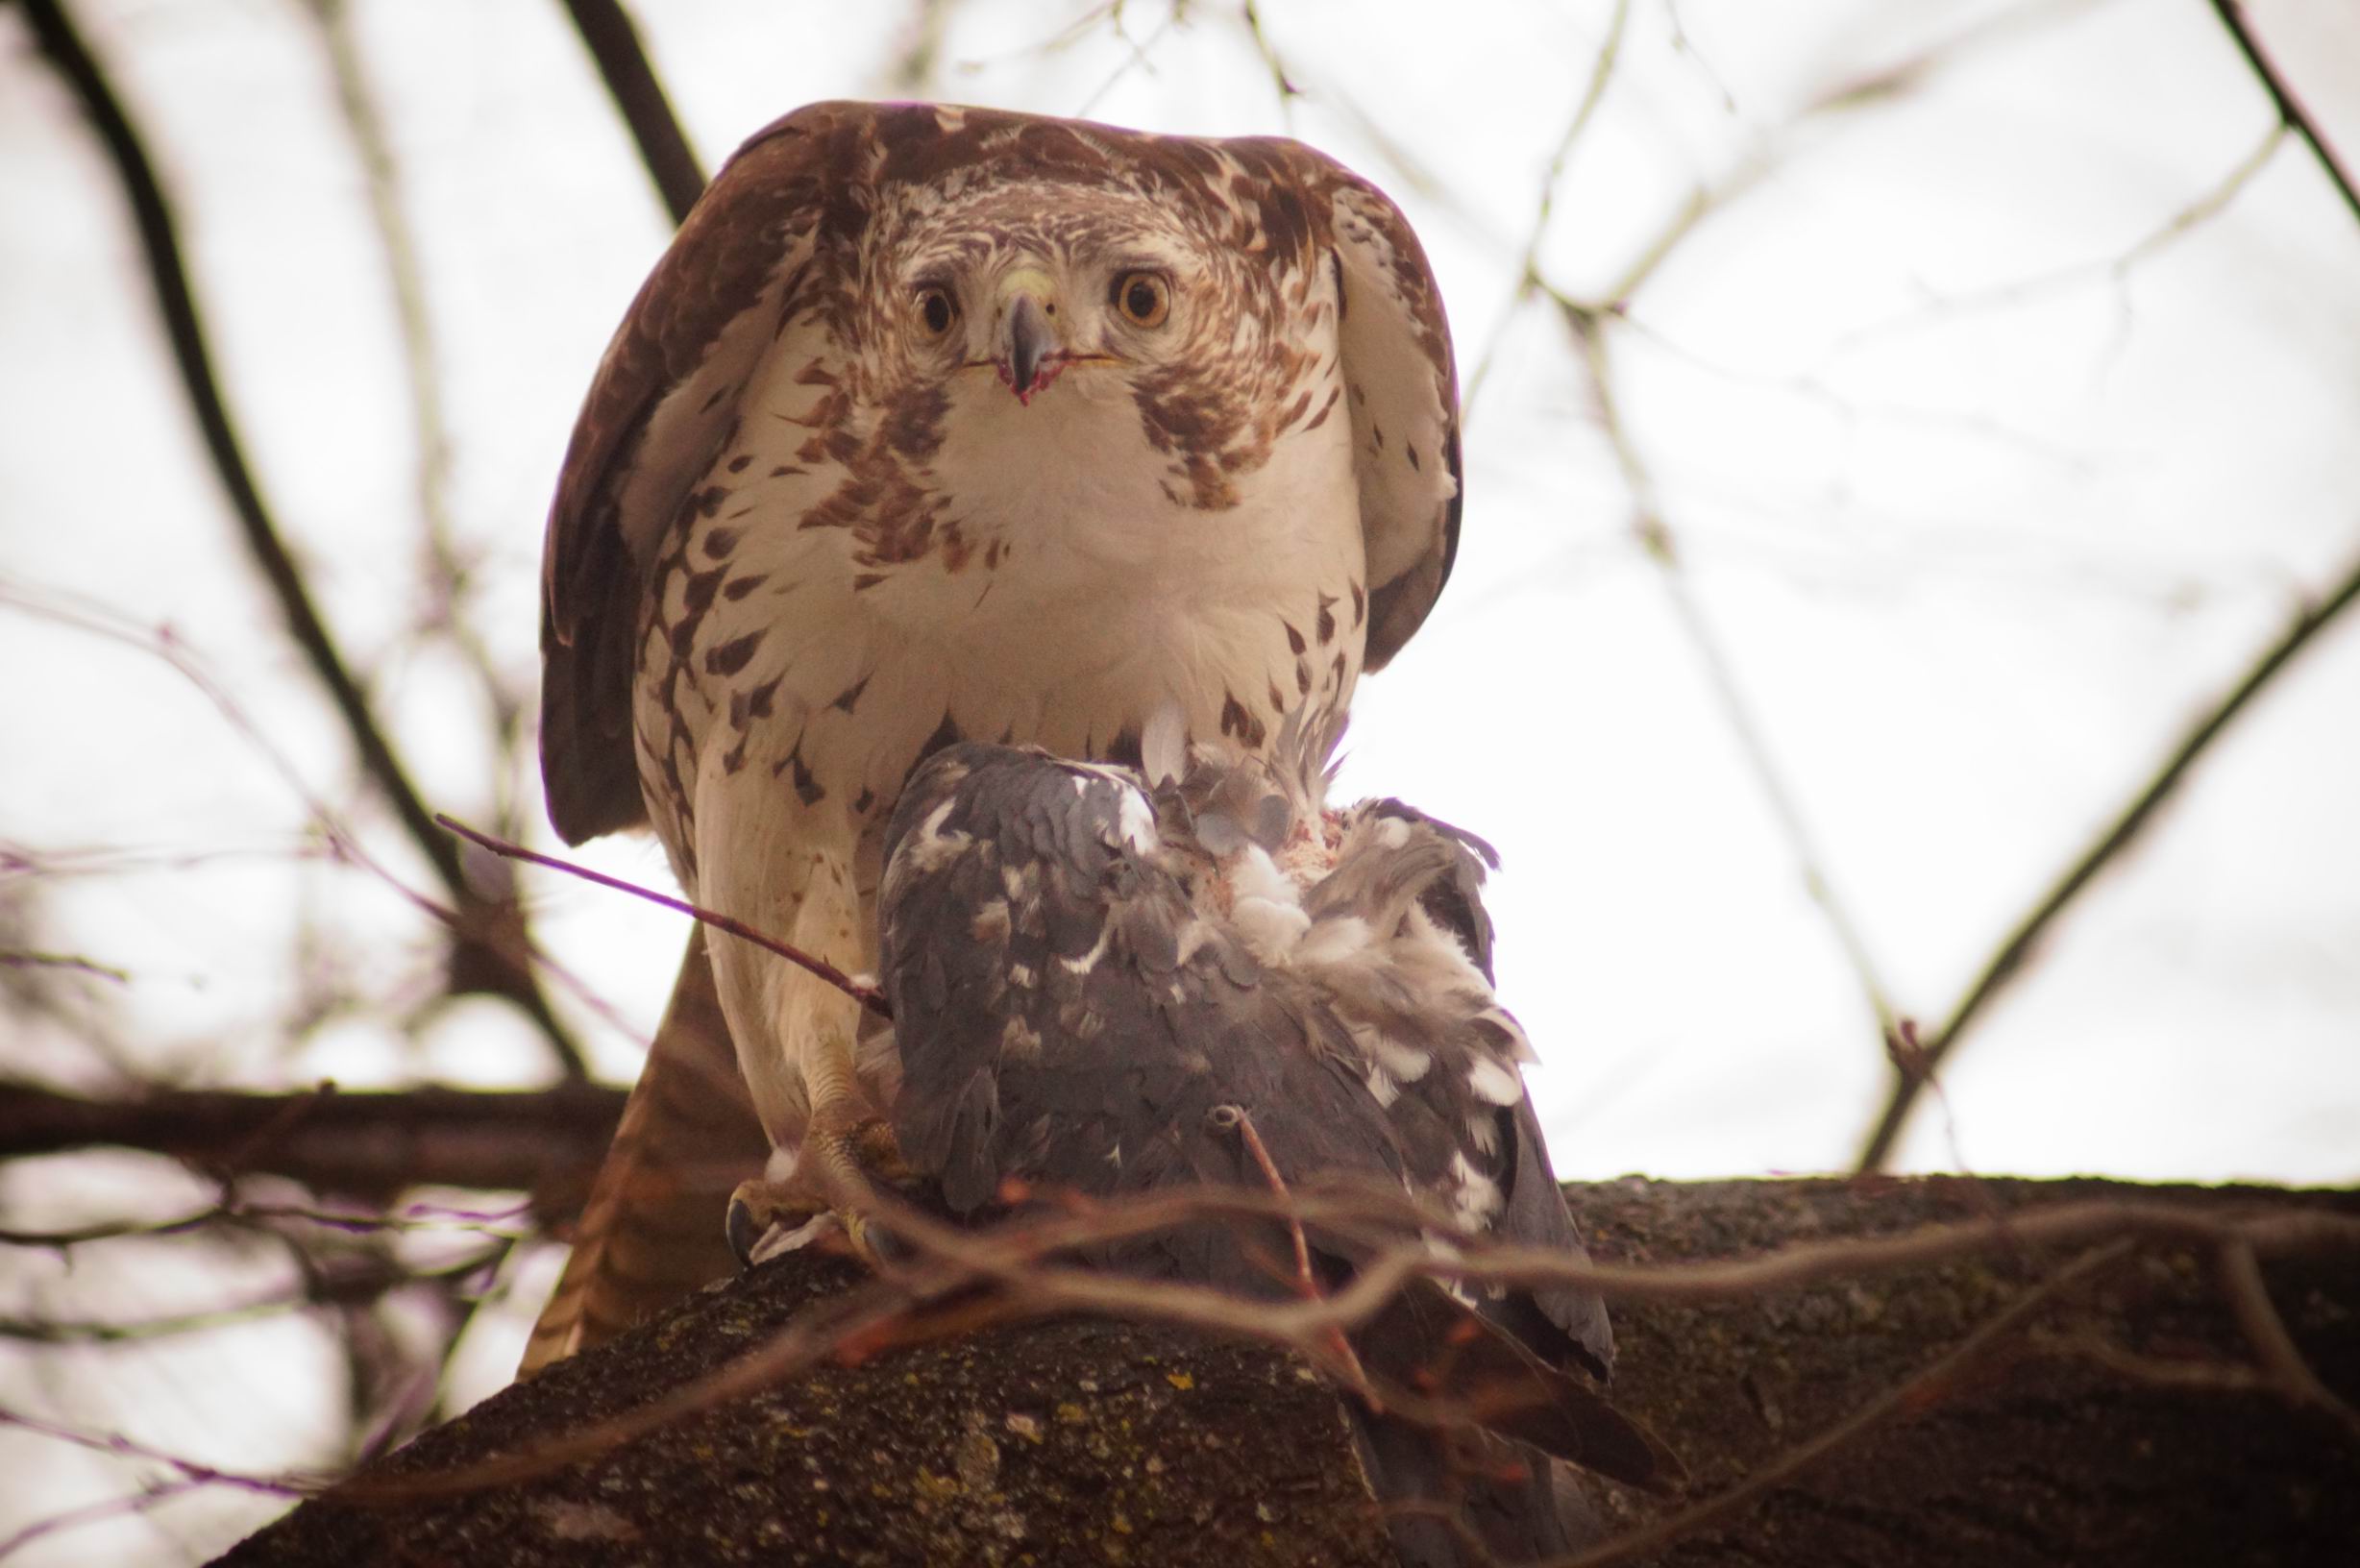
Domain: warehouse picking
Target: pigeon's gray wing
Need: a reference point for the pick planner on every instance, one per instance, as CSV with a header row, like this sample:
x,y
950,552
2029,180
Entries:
x,y
1066,1018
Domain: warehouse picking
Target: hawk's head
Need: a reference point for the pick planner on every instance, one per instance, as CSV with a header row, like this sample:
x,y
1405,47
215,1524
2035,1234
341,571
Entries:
x,y
1030,280
1058,325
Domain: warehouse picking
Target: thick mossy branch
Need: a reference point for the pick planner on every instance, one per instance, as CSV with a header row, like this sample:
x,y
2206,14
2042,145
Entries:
x,y
2127,1423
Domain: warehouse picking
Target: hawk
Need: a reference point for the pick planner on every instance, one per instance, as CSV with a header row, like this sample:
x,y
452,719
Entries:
x,y
1110,981
939,423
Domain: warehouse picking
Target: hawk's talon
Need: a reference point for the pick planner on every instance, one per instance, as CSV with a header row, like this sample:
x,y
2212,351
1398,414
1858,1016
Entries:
x,y
822,1191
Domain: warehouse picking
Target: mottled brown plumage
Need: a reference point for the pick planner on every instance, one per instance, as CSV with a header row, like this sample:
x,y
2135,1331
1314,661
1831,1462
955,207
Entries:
x,y
938,423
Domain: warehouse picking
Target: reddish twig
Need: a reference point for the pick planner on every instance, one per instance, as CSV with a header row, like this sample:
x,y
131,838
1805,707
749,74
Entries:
x,y
1235,1116
868,997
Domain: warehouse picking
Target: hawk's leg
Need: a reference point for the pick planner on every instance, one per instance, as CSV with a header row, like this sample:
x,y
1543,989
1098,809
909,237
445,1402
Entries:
x,y
828,1187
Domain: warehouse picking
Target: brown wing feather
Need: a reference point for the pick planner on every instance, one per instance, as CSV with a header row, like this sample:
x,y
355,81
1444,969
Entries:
x,y
1404,387
663,400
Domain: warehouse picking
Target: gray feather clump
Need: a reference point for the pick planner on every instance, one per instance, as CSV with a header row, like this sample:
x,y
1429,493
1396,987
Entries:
x,y
1093,968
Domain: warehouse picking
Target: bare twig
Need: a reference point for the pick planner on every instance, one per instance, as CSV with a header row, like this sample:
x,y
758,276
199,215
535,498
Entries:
x,y
2117,269
869,997
18,958
124,1448
2291,112
1527,273
1280,78
2007,960
255,1215
2282,1362
607,33
446,563
98,1512
1656,540
510,940
176,302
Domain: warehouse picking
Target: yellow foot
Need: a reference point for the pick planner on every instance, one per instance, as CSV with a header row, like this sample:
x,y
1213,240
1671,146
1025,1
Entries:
x,y
829,1191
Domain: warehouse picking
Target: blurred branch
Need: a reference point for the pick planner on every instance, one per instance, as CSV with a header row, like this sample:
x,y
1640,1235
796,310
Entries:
x,y
1656,539
2117,269
418,1217
124,1448
1528,265
370,1145
1911,1072
2291,112
478,956
1288,91
447,564
18,958
607,33
915,63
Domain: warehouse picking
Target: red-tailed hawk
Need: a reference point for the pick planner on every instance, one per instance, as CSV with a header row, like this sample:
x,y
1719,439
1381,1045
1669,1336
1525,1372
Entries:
x,y
1098,984
939,423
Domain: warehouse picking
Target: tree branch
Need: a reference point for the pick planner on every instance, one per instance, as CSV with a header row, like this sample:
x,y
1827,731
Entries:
x,y
480,955
369,1145
1912,1070
607,33
1830,1407
2291,112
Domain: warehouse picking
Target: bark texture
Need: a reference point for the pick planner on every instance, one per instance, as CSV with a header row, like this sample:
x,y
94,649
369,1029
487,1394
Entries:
x,y
1088,1441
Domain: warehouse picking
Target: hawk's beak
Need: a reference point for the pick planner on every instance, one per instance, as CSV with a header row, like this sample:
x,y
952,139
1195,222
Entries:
x,y
1028,345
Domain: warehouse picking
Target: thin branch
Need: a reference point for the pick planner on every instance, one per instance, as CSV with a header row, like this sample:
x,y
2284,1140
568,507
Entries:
x,y
866,995
1528,265
2291,112
184,326
18,958
2117,269
2282,1362
607,33
420,1217
1280,78
123,1448
508,940
102,1510
446,562
2007,960
1656,541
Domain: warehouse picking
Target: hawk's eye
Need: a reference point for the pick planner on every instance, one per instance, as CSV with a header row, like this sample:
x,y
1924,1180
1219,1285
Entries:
x,y
1144,298
937,310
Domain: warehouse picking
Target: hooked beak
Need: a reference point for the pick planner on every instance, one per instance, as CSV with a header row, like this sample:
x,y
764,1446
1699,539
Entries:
x,y
1029,351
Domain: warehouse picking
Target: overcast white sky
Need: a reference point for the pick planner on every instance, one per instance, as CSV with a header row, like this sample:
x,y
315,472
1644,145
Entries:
x,y
2001,421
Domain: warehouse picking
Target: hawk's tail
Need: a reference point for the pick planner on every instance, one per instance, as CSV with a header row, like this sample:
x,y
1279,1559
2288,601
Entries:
x,y
651,1231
